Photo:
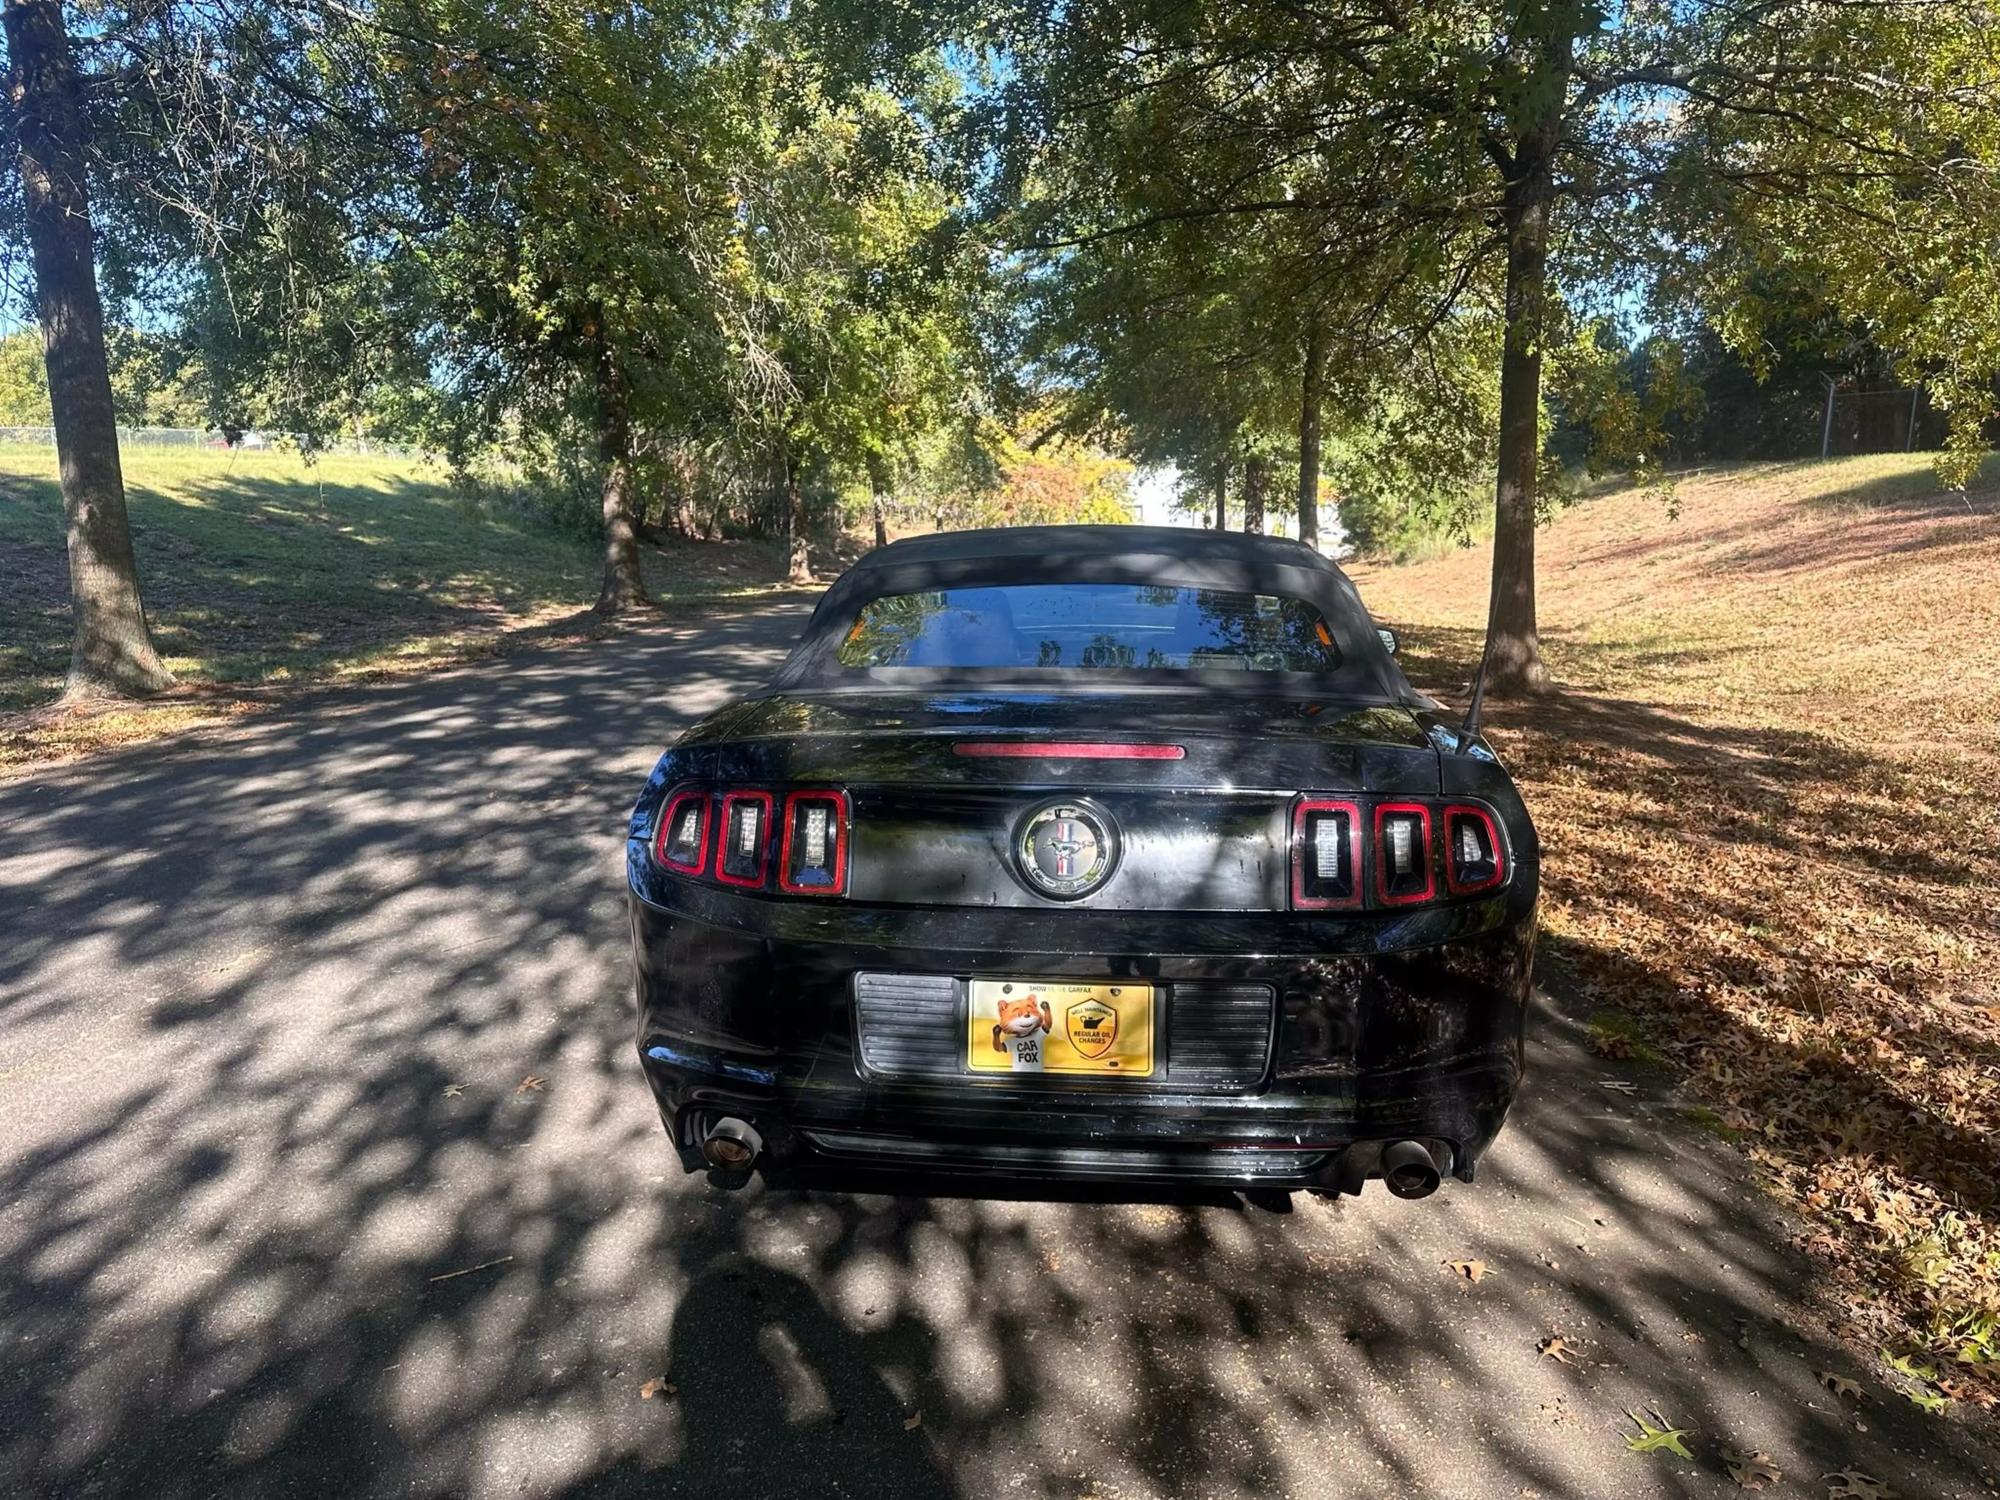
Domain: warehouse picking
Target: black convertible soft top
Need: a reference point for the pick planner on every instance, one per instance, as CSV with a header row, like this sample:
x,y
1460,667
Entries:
x,y
1168,555
998,542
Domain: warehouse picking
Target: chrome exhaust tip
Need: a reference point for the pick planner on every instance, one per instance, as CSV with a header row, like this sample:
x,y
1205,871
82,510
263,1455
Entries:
x,y
731,1145
1408,1170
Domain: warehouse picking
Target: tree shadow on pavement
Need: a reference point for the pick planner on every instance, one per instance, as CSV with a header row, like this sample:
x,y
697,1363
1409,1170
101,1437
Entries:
x,y
328,1169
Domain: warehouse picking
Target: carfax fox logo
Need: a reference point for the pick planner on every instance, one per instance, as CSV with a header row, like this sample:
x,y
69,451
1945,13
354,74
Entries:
x,y
1020,1029
1091,1026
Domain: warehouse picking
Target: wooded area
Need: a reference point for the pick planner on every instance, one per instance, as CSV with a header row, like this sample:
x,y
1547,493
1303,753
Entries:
x,y
716,266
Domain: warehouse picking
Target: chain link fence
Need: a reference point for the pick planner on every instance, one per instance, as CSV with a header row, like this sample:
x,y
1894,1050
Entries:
x,y
195,437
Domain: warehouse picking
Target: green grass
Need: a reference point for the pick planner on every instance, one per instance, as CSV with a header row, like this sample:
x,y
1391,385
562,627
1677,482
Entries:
x,y
1616,1034
261,566
1704,1118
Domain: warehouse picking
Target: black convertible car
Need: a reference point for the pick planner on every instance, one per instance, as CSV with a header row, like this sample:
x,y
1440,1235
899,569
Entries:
x,y
1102,852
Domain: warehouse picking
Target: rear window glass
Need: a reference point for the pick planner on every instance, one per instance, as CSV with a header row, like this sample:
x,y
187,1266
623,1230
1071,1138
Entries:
x,y
1091,627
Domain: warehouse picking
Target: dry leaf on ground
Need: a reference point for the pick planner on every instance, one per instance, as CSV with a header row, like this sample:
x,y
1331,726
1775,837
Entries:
x,y
913,1421
659,1385
1840,1385
1557,1348
1751,1470
1471,1270
532,1084
1841,1033
1982,1394
1852,1484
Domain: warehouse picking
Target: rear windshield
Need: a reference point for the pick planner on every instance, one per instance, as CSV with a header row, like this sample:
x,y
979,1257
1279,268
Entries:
x,y
1091,627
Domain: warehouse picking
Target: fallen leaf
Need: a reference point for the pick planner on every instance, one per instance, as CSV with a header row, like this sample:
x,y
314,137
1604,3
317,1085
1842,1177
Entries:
x,y
1471,1270
1751,1470
913,1421
1852,1484
1557,1348
1651,1439
1928,1400
531,1085
453,1090
659,1385
1984,1396
1840,1385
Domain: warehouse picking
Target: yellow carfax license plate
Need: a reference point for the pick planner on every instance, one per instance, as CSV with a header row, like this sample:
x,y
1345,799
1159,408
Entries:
x,y
1035,1026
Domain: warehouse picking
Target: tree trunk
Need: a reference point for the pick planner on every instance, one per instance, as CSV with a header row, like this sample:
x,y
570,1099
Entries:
x,y
1222,496
111,651
1255,472
1315,369
795,524
878,489
624,586
1513,643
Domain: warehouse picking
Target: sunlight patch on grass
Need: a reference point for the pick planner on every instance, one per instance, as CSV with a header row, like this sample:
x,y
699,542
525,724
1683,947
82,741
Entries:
x,y
259,566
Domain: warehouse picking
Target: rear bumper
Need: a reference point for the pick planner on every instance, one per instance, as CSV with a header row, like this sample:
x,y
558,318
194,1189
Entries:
x,y
1386,1028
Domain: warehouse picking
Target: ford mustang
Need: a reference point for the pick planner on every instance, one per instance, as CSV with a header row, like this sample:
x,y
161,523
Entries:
x,y
1095,852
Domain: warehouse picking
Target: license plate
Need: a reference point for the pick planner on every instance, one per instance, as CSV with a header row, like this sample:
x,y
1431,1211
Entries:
x,y
1034,1026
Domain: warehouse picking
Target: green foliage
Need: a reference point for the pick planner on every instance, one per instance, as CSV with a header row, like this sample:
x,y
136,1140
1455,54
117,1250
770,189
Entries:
x,y
770,230
1202,180
1873,177
154,381
1412,468
24,380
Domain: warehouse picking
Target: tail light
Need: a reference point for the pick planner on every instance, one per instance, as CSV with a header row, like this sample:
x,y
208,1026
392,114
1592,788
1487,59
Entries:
x,y
1473,860
1403,874
1326,855
1392,854
743,847
682,842
812,860
733,840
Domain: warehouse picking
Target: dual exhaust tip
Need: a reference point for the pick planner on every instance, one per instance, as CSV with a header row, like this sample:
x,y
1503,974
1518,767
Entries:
x,y
1409,1170
732,1145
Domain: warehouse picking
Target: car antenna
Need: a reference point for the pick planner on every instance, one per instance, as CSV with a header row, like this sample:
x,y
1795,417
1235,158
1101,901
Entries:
x,y
1469,730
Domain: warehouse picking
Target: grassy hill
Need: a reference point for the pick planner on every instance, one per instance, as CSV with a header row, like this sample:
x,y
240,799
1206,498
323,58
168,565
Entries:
x,y
1768,791
259,567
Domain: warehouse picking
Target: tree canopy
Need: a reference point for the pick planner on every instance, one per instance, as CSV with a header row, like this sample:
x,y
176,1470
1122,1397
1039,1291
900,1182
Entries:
x,y
745,263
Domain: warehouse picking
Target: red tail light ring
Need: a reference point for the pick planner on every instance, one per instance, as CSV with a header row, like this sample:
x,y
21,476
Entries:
x,y
1303,847
763,802
663,835
1383,812
1497,876
797,804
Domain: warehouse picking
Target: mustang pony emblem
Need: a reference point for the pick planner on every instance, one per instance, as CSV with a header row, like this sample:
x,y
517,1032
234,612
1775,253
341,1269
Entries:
x,y
1066,843
1066,849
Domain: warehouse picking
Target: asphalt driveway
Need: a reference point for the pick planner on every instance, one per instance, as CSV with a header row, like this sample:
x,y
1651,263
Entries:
x,y
325,1168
